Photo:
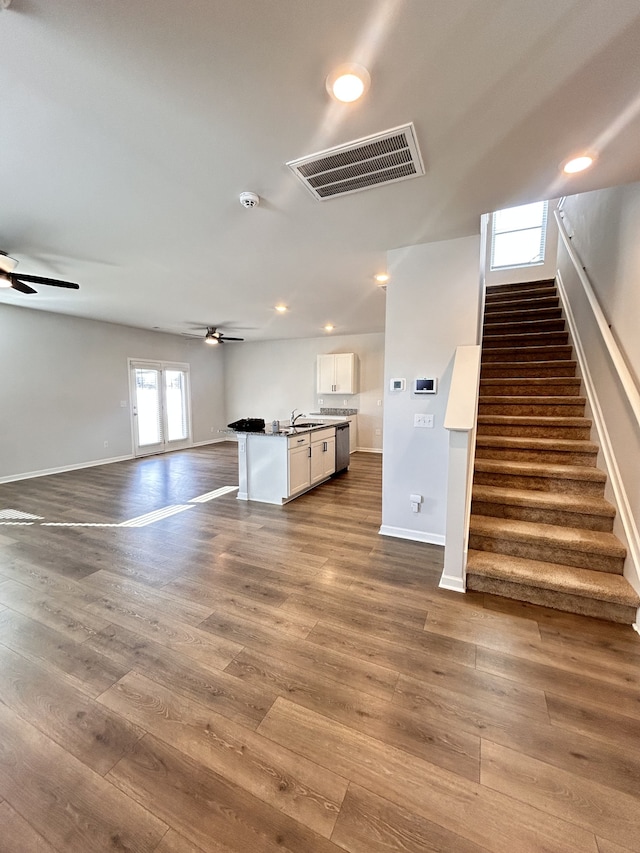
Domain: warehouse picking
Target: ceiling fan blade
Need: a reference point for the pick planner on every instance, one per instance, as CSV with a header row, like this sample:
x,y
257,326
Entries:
x,y
39,279
20,286
226,338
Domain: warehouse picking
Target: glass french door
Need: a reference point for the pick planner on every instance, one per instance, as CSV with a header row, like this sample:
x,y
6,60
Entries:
x,y
160,406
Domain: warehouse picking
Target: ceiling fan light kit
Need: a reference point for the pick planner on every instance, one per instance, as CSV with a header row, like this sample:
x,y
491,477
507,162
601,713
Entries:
x,y
214,337
18,281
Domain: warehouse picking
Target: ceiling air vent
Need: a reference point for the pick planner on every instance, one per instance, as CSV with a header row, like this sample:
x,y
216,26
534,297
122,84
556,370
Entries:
x,y
383,158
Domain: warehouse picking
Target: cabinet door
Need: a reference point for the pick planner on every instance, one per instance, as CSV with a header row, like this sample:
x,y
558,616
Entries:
x,y
317,461
329,457
353,433
345,373
299,469
326,374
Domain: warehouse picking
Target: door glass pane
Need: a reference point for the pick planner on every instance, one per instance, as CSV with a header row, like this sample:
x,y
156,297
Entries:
x,y
149,406
176,403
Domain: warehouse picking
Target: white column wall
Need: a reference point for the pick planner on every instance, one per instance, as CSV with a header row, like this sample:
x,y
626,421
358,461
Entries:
x,y
432,307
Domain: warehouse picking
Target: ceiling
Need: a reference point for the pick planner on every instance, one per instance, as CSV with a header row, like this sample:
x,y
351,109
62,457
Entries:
x,y
129,129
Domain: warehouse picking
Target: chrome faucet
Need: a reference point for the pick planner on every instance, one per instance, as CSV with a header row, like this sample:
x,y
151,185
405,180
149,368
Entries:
x,y
295,417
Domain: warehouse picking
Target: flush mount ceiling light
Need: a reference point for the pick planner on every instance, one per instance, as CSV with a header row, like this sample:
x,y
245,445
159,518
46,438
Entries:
x,y
578,164
281,309
328,328
382,277
348,82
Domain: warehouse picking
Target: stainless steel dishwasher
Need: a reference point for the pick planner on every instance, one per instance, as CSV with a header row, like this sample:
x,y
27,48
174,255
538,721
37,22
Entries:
x,y
342,447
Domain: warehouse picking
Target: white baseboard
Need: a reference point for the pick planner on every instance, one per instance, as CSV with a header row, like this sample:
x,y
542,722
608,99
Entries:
x,y
211,441
414,535
368,450
455,584
45,472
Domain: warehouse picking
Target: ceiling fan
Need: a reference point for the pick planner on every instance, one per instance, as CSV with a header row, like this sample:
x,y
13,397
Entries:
x,y
213,336
17,281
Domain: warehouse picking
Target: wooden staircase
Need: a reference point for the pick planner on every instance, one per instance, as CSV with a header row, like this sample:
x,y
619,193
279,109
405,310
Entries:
x,y
541,530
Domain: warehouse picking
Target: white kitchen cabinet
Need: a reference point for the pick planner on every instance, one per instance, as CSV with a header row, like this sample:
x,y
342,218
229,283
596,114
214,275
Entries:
x,y
275,469
323,454
337,373
299,469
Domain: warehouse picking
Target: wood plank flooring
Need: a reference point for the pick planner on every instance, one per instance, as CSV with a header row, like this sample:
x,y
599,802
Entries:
x,y
240,678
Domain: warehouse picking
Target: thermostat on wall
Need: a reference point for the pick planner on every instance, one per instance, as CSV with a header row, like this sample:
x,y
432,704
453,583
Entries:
x,y
397,384
426,386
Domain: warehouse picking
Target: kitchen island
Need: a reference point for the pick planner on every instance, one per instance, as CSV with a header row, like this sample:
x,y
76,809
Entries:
x,y
278,467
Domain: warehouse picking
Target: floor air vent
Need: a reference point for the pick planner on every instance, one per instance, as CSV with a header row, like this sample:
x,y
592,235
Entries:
x,y
383,158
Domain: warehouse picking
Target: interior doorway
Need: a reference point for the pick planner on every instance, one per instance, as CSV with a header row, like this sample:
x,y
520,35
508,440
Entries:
x,y
160,406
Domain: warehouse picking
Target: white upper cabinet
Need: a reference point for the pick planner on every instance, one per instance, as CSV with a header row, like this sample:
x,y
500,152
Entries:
x,y
337,373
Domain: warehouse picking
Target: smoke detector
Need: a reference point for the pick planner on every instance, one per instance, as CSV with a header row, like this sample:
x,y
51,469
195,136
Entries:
x,y
249,199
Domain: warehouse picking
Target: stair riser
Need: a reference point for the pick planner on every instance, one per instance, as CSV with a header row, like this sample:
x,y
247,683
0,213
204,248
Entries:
x,y
526,324
603,524
558,601
521,370
523,316
498,294
517,341
517,287
557,485
528,306
576,433
543,410
548,554
569,388
533,353
553,457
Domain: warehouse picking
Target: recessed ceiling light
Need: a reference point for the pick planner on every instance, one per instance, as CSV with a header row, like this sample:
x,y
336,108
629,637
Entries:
x,y
382,277
348,82
328,328
578,164
281,308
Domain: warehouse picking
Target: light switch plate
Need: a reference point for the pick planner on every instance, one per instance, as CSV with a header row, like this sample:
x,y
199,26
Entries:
x,y
424,421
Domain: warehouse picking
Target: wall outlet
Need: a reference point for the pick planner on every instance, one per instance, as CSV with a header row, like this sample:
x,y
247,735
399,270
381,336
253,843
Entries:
x,y
378,432
320,401
123,404
106,444
379,402
213,429
415,499
424,421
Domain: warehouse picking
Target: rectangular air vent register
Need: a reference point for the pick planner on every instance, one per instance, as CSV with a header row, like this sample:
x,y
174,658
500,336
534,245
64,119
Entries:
x,y
383,158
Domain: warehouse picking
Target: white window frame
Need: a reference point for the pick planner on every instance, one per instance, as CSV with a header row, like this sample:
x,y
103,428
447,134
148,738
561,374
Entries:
x,y
543,241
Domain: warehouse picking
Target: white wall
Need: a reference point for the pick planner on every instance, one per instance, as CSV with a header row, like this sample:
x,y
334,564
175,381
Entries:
x,y
606,234
63,381
605,226
432,307
267,379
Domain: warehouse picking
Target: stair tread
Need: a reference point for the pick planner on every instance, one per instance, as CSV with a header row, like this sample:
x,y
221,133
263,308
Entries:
x,y
584,504
534,381
570,538
540,469
553,576
531,443
542,420
518,400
